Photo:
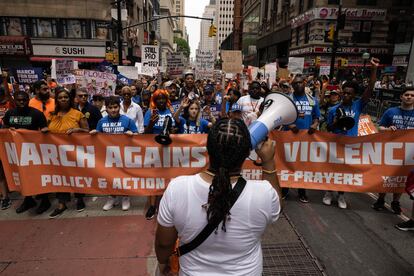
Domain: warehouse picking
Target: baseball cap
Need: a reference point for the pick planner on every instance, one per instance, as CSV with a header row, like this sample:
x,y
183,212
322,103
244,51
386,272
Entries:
x,y
235,108
208,89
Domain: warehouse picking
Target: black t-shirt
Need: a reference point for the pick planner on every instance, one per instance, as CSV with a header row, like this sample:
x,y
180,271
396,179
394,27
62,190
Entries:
x,y
92,114
27,118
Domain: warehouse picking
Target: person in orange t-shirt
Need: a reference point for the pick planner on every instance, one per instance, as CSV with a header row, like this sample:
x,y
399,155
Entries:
x,y
42,100
66,120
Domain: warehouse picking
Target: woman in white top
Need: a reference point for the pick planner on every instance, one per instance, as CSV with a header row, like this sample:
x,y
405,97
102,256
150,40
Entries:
x,y
190,202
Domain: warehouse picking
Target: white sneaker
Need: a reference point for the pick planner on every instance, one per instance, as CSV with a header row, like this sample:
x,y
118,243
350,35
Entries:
x,y
110,203
342,202
327,198
125,203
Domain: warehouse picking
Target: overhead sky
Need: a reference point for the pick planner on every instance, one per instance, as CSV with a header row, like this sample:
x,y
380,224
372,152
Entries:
x,y
194,8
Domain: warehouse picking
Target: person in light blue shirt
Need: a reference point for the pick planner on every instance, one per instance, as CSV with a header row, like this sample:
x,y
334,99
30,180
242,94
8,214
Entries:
x,y
191,121
401,117
160,108
308,118
115,123
350,108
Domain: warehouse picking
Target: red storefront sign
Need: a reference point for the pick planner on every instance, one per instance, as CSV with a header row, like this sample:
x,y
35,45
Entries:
x,y
15,45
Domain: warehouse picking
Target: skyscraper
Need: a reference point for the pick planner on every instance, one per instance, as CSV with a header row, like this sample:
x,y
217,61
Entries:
x,y
224,19
207,43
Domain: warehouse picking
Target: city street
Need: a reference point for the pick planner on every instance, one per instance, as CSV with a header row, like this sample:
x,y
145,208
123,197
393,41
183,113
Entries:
x,y
312,239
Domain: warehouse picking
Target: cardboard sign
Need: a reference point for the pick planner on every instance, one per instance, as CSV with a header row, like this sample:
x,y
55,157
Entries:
x,y
204,64
366,126
150,60
232,61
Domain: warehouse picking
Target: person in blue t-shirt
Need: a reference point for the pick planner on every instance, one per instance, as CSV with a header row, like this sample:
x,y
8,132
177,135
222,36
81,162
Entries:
x,y
115,123
191,121
394,118
350,108
308,118
160,108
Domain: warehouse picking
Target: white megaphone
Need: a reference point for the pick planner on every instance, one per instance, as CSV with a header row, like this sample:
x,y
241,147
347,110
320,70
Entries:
x,y
278,110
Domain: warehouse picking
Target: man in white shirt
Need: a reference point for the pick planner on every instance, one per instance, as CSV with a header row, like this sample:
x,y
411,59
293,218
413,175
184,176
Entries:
x,y
250,104
131,109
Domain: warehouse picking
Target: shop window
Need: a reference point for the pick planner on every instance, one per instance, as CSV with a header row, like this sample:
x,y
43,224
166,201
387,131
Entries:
x,y
43,27
307,31
101,30
406,3
310,4
301,6
397,32
297,36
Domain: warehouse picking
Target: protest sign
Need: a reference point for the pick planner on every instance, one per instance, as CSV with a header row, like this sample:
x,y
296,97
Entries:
x,y
366,126
215,110
66,79
232,61
150,60
324,70
62,71
270,73
204,64
28,75
121,165
96,82
175,65
283,73
296,65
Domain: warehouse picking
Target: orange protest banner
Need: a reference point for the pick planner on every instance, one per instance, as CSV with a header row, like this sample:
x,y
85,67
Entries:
x,y
36,163
325,161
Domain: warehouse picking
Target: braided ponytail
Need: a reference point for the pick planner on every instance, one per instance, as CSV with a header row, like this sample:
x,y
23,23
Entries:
x,y
228,145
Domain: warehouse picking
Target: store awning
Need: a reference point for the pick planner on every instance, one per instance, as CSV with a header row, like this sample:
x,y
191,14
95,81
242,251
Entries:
x,y
46,59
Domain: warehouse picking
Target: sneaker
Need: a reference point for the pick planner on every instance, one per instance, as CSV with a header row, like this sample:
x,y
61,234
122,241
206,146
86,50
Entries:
x,y
303,199
110,203
5,203
396,208
80,205
378,205
406,225
125,203
43,207
150,213
57,212
341,202
27,204
327,198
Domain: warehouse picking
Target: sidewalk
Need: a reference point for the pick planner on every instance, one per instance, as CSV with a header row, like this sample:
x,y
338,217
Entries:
x,y
95,242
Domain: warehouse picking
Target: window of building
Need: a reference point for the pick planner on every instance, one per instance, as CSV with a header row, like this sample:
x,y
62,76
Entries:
x,y
297,36
75,29
43,27
397,32
307,31
333,2
367,2
407,3
13,26
310,4
101,30
361,33
301,6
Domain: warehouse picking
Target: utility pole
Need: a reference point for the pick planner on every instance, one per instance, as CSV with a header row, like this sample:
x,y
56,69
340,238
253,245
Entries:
x,y
335,42
119,31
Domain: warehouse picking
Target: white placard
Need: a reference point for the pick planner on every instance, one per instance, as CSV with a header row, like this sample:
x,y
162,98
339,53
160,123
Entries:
x,y
271,72
296,65
150,60
130,72
204,64
324,70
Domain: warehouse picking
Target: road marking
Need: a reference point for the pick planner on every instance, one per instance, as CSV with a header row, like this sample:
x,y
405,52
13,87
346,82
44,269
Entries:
x,y
356,257
401,216
339,237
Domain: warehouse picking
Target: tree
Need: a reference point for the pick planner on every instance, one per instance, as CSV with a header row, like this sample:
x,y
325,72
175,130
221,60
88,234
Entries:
x,y
182,46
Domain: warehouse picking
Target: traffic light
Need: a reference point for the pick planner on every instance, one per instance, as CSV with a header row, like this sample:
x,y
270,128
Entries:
x,y
331,32
212,31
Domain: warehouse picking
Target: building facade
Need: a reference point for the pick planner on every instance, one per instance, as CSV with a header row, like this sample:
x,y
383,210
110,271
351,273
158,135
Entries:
x,y
179,9
207,43
34,32
166,31
224,20
251,23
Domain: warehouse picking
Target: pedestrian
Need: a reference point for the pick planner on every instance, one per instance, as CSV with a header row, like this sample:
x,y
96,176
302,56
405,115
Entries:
x,y
160,109
395,118
116,123
350,108
172,89
308,118
42,100
236,210
99,101
191,122
189,89
131,109
25,117
92,113
66,120
250,104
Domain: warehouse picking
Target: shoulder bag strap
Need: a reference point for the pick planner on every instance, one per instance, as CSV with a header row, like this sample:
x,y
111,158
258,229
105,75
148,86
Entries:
x,y
209,228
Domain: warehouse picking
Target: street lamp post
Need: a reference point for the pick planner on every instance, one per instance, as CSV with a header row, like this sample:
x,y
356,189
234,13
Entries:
x,y
365,57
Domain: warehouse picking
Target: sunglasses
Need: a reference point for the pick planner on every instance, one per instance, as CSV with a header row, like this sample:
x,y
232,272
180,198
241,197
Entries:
x,y
83,96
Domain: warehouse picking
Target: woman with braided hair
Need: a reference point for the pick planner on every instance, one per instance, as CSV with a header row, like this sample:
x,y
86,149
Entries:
x,y
237,211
